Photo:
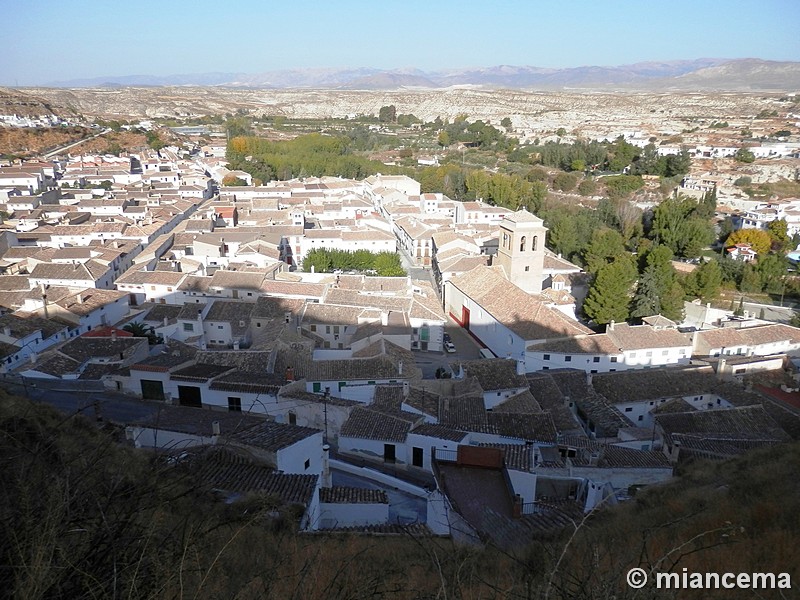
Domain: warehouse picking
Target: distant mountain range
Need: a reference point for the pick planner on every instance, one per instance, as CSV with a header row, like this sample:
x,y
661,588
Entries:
x,y
701,74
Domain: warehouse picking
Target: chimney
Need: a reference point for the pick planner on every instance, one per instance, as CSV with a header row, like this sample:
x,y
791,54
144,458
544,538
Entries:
x,y
610,326
166,321
588,380
675,452
289,374
400,368
326,469
520,367
721,368
113,334
33,357
7,331
79,298
215,430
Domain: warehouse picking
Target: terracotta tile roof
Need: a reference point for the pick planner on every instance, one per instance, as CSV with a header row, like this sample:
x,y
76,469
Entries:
x,y
638,337
196,421
221,469
518,457
553,262
495,374
739,423
599,343
198,372
365,423
520,312
83,349
169,278
441,432
522,403
352,495
651,384
174,354
226,280
271,436
22,326
290,288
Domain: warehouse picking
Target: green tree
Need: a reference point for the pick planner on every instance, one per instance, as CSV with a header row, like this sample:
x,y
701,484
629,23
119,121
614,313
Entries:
x,y
139,329
387,114
317,260
387,264
506,122
708,280
587,187
609,296
443,139
565,182
772,269
778,231
621,186
605,247
677,226
577,165
744,155
751,279
659,291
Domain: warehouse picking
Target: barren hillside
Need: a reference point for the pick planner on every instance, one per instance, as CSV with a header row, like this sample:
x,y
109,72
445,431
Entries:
x,y
535,110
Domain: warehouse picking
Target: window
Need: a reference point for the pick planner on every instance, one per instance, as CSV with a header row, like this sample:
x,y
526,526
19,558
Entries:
x,y
649,353
593,371
596,359
313,328
613,359
219,326
335,329
234,404
307,464
628,409
664,352
546,357
527,268
327,328
522,244
535,240
641,418
567,359
292,418
188,326
258,323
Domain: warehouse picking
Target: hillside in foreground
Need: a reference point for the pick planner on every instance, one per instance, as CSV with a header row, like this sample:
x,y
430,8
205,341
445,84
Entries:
x,y
85,517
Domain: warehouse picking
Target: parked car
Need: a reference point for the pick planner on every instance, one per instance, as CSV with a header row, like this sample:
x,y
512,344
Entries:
x,y
447,338
449,347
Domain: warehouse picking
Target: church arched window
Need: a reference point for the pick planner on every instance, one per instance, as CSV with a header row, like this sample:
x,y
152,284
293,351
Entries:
x,y
522,244
535,240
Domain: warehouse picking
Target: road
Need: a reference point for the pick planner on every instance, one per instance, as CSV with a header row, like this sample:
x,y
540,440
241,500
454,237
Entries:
x,y
112,407
466,349
73,144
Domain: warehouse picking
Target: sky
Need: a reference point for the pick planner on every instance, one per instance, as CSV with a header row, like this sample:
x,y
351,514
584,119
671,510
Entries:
x,y
48,41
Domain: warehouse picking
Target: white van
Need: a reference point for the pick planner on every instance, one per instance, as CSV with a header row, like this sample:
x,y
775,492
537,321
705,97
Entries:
x,y
486,353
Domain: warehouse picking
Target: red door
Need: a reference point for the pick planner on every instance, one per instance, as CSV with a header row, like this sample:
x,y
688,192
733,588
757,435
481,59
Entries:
x,y
465,317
